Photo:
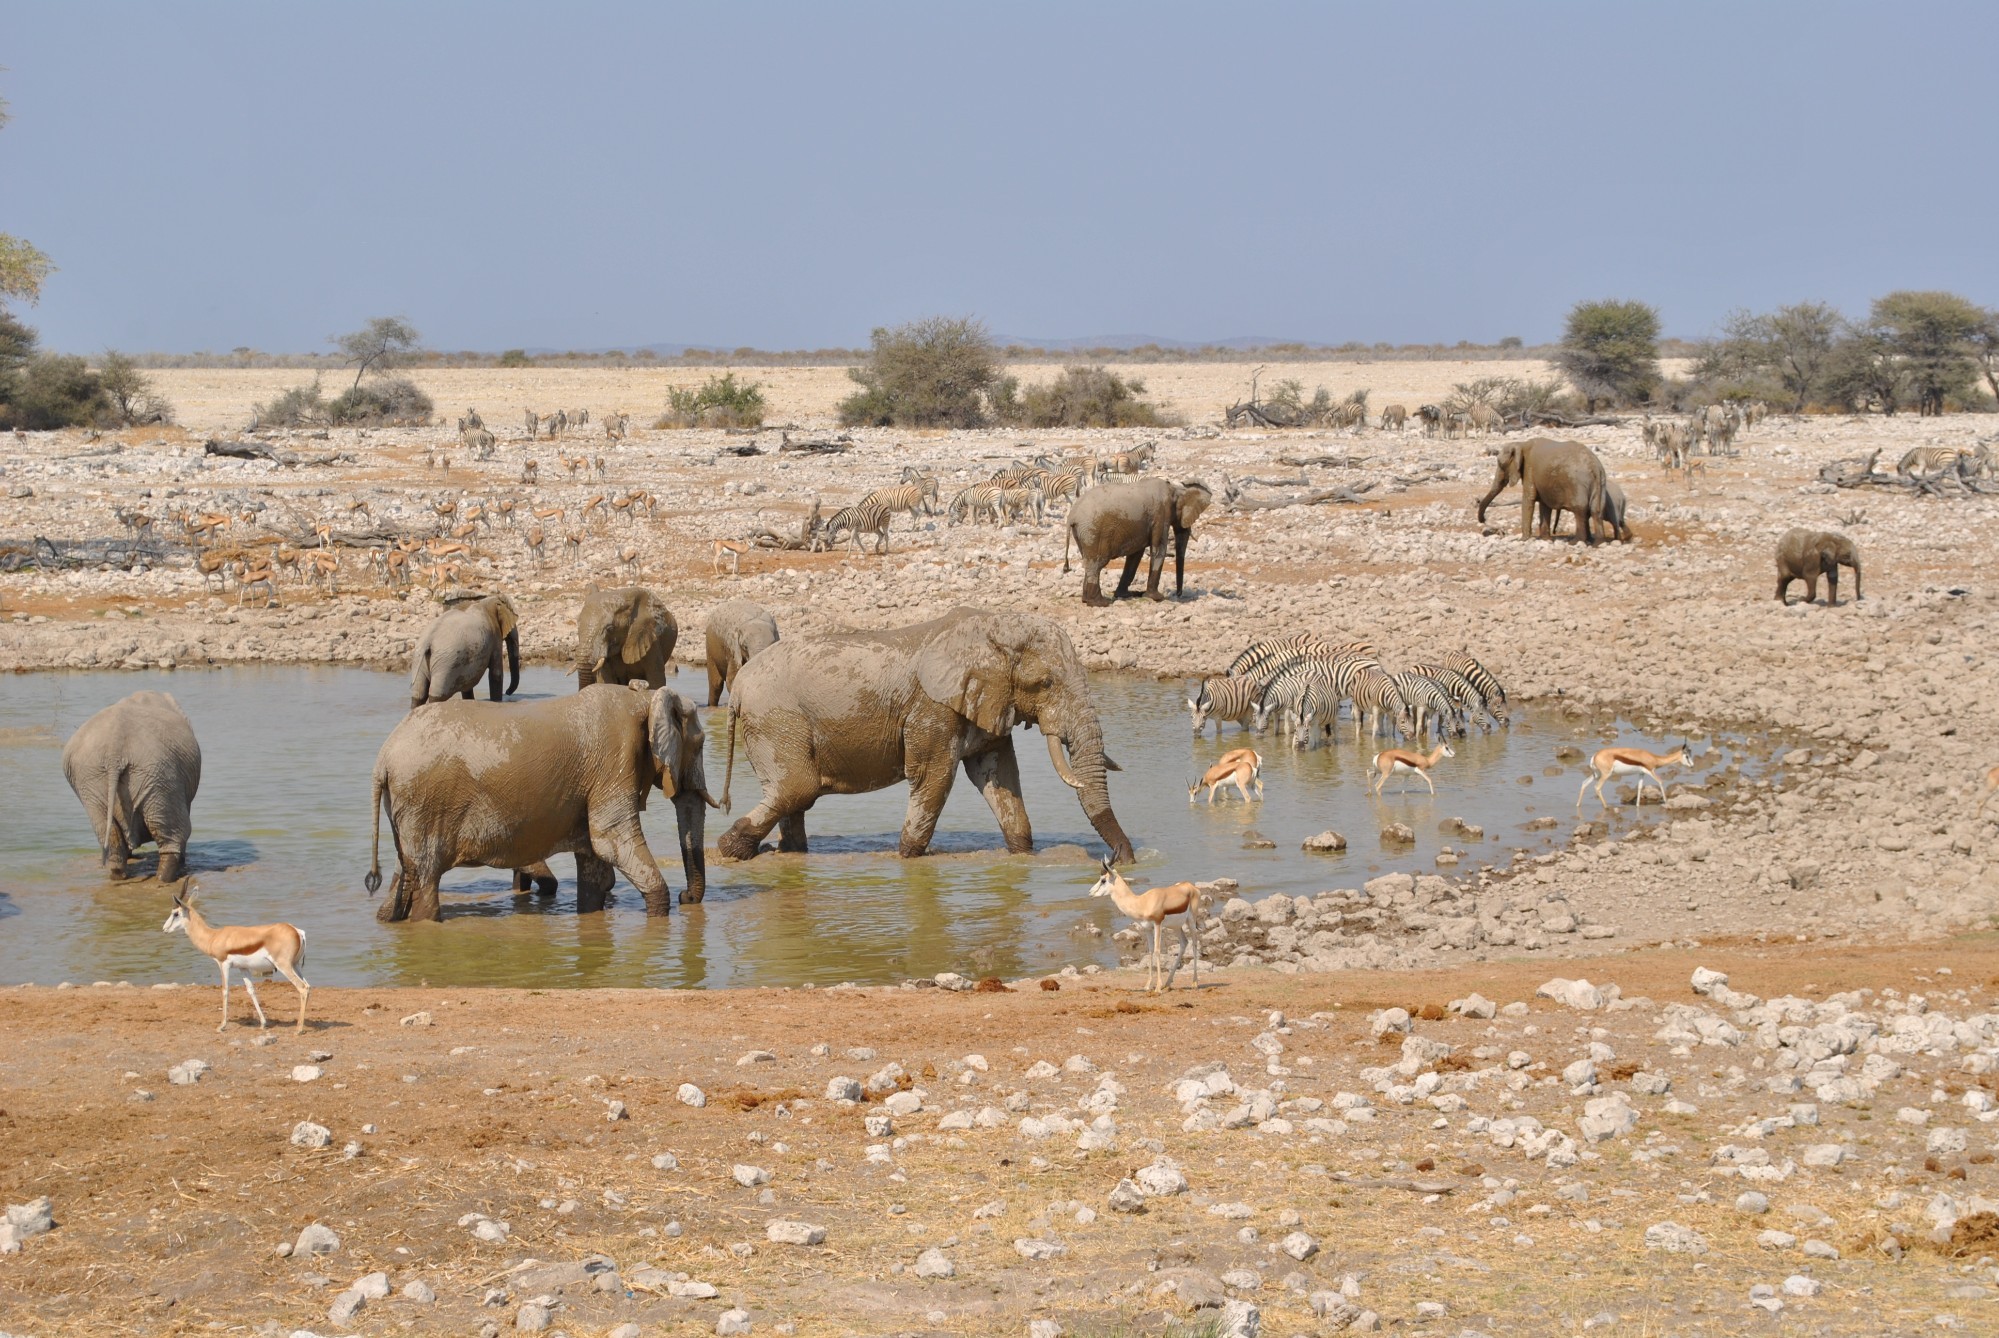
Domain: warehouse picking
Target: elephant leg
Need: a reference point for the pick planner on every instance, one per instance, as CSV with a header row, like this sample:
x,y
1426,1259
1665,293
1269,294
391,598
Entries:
x,y
412,896
1093,583
779,808
537,876
1811,588
1526,510
117,853
929,787
997,774
171,863
1130,574
1783,586
496,672
594,876
1155,568
791,834
625,847
1832,588
714,685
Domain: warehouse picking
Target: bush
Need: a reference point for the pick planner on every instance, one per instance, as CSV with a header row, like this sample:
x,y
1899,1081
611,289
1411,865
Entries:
x,y
1079,397
516,357
1610,352
301,406
54,390
722,401
382,345
380,402
130,391
1932,334
940,372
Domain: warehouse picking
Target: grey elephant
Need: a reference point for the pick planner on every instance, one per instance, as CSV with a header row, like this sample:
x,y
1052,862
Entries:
x,y
862,711
1613,514
1554,476
1128,520
506,785
1806,555
136,767
477,636
737,630
623,634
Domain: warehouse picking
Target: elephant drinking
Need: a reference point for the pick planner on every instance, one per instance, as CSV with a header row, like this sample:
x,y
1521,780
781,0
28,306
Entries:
x,y
506,785
858,712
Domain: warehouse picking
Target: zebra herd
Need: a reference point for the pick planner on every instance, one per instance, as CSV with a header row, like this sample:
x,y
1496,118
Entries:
x,y
1929,461
1715,425
1302,681
1024,489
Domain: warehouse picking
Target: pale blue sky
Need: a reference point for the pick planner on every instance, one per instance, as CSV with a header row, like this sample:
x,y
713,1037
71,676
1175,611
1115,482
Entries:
x,y
789,175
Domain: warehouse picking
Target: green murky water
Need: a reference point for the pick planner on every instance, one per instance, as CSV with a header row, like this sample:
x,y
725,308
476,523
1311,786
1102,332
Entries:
x,y
281,832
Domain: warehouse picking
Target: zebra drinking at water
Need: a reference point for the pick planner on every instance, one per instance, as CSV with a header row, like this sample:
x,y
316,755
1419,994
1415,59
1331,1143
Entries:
x,y
1481,678
1224,698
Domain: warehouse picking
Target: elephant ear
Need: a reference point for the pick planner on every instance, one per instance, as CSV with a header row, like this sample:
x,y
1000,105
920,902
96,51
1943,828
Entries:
x,y
642,633
1190,500
666,735
505,616
969,667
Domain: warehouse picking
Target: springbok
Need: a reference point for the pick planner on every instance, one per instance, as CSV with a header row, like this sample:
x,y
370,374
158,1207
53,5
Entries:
x,y
734,550
1991,787
1609,762
1407,762
1153,907
1242,767
255,950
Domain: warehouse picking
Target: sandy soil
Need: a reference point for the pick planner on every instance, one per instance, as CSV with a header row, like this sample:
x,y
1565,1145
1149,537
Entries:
x,y
1880,714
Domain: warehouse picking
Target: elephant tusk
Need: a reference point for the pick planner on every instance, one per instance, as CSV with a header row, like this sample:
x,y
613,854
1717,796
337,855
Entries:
x,y
1110,763
1061,761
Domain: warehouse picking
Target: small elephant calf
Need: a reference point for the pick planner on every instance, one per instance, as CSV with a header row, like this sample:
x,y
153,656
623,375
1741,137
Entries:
x,y
1805,555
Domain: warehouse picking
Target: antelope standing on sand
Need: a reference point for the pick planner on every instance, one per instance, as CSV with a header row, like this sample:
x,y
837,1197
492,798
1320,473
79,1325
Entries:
x,y
1242,767
1407,762
255,950
1991,787
1609,762
1153,907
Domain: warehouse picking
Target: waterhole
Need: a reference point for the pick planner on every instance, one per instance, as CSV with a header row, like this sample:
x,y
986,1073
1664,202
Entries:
x,y
281,831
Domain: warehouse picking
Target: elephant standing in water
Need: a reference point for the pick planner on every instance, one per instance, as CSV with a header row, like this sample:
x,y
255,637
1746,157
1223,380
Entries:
x,y
1553,476
506,785
737,630
622,635
858,712
136,767
1126,520
464,644
1806,555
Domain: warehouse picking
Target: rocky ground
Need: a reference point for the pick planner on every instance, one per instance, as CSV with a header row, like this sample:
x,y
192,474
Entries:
x,y
1445,1153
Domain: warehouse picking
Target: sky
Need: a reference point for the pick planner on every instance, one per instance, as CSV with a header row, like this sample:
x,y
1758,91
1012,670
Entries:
x,y
601,175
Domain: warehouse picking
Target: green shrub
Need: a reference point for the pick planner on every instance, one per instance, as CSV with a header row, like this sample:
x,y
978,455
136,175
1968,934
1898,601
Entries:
x,y
1610,351
55,390
516,357
937,372
380,402
1081,397
133,399
722,401
301,406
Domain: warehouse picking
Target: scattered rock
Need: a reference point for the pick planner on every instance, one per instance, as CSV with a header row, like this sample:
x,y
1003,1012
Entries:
x,y
1674,1239
187,1073
1161,1178
306,1134
794,1233
733,1322
314,1241
1328,841
690,1095
417,1019
934,1263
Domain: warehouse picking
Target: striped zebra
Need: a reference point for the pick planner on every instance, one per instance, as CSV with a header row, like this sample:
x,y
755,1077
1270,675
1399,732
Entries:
x,y
1317,711
1133,460
911,497
1468,699
1222,698
1374,695
1481,678
864,517
1064,484
1017,502
1429,706
978,499
1023,472
1311,683
1928,460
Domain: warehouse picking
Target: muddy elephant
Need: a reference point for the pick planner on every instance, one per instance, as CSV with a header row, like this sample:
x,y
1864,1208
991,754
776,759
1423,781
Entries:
x,y
1555,475
861,711
136,767
1613,515
1806,555
506,785
477,636
737,630
623,634
1128,520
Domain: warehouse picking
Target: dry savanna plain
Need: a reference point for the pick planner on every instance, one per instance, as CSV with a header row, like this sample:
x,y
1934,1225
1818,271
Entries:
x,y
1735,1071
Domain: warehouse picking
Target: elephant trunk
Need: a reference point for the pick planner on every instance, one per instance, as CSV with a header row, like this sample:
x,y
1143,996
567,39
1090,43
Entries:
x,y
1084,770
690,808
513,662
1180,536
1498,487
1856,578
586,673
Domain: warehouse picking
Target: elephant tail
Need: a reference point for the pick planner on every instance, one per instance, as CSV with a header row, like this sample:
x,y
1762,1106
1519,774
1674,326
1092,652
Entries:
x,y
1068,533
729,772
117,814
373,882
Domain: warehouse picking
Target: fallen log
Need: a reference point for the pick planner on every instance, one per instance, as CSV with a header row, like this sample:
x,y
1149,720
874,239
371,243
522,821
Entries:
x,y
69,554
247,450
815,446
1324,461
1316,498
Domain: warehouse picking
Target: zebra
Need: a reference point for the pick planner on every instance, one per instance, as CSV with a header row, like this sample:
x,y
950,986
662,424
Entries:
x,y
1374,694
1480,677
1287,691
1264,658
1432,416
1459,689
1014,502
1128,462
1064,484
1929,460
1022,472
534,424
1429,706
911,497
1222,698
864,517
975,500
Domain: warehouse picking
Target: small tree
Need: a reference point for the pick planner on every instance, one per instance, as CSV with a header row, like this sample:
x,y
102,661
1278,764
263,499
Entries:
x,y
1932,334
130,391
515,357
382,345
936,372
1610,351
1863,372
1985,347
23,268
1793,344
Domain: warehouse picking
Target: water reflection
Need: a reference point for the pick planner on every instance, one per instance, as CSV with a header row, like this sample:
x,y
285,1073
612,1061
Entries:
x,y
282,831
